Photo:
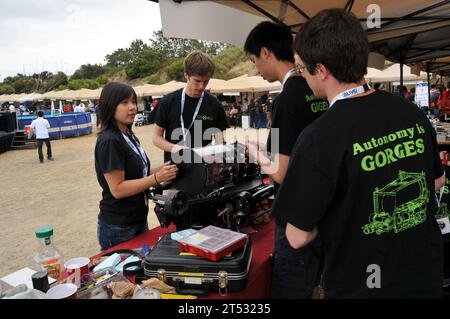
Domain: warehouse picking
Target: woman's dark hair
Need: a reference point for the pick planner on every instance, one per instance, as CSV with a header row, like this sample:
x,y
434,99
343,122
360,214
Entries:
x,y
274,37
335,39
112,95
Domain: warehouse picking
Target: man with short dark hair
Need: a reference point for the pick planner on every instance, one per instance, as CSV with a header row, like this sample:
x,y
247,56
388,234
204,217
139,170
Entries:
x,y
270,47
363,175
182,113
40,126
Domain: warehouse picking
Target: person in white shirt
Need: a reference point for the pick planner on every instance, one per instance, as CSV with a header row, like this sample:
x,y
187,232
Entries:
x,y
82,107
40,126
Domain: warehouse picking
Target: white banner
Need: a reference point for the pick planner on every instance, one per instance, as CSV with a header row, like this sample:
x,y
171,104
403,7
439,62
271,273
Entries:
x,y
421,97
245,121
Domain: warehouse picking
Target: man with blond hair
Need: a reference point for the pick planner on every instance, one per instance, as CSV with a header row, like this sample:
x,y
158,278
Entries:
x,y
189,112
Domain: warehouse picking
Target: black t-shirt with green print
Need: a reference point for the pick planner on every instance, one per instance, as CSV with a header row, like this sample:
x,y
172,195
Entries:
x,y
211,115
295,108
363,174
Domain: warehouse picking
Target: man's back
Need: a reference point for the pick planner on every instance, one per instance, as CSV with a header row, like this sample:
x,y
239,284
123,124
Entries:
x,y
41,126
367,182
295,108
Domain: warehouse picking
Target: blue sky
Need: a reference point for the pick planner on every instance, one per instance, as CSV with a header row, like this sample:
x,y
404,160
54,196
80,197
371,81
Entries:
x,y
61,35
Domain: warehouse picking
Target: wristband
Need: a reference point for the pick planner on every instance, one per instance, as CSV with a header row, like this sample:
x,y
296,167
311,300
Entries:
x,y
157,183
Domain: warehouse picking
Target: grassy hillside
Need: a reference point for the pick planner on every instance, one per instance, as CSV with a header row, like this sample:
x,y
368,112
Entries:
x,y
230,63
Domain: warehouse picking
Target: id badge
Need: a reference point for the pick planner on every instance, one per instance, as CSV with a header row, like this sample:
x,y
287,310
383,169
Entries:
x,y
444,225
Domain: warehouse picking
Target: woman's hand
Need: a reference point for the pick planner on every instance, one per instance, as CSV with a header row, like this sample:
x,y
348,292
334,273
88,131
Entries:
x,y
166,173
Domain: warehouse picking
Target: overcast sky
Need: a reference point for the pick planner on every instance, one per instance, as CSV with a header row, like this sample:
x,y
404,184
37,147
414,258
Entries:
x,y
61,35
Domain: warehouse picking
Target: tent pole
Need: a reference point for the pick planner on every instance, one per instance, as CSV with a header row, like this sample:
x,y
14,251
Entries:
x,y
428,82
401,77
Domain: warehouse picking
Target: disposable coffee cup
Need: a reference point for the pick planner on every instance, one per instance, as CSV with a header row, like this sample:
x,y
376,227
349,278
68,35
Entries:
x,y
62,291
76,268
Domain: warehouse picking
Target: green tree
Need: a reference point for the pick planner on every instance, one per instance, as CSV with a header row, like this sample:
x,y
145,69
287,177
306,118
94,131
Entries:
x,y
37,82
83,84
148,62
137,47
22,86
56,80
175,70
123,57
177,48
12,79
88,71
6,89
120,57
102,80
225,60
46,75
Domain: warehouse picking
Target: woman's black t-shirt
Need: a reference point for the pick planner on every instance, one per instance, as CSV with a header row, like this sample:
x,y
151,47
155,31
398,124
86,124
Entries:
x,y
113,153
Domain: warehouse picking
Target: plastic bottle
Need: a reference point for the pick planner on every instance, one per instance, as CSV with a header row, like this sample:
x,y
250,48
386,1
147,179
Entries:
x,y
48,256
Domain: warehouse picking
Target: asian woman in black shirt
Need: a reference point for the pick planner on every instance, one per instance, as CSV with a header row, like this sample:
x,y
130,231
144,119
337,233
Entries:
x,y
123,169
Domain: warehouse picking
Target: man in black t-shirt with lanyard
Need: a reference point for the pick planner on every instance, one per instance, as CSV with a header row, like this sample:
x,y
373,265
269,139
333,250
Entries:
x,y
270,47
363,175
191,116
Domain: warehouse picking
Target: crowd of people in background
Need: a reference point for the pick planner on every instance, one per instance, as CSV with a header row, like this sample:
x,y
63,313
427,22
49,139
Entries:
x,y
439,96
30,108
257,109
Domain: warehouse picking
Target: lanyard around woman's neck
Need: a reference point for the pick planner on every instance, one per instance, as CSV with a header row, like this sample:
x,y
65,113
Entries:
x,y
350,92
183,99
139,152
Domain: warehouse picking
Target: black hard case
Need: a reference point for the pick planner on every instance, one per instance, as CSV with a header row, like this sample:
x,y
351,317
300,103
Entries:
x,y
181,270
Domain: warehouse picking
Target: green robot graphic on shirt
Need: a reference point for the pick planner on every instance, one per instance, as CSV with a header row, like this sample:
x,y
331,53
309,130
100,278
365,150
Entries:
x,y
400,205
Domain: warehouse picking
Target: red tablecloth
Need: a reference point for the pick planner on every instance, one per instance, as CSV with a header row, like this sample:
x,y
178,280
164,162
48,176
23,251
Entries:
x,y
260,277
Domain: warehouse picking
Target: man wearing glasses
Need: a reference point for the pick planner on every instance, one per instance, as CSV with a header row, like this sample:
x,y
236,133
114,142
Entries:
x,y
270,48
358,178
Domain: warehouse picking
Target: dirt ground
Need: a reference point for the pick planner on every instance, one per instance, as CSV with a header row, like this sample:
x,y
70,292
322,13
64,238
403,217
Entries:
x,y
64,194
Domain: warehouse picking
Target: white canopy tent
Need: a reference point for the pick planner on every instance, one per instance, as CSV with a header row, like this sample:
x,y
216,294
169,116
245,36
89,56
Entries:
x,y
249,84
10,97
392,74
144,90
30,97
215,83
166,88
